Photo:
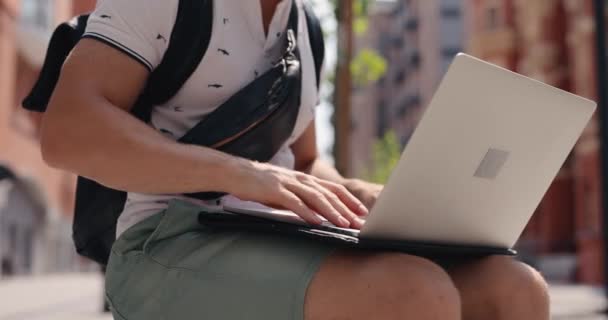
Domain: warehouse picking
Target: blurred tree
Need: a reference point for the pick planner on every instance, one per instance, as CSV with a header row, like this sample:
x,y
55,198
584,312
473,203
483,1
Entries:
x,y
363,69
367,67
360,10
360,21
386,154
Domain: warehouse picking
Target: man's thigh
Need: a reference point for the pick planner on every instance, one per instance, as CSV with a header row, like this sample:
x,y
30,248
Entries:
x,y
363,285
500,287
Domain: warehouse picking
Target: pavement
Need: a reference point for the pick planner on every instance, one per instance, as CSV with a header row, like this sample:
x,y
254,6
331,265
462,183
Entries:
x,y
76,296
570,302
79,297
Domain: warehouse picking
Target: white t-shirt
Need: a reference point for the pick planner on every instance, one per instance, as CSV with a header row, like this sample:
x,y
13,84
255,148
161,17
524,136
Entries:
x,y
238,52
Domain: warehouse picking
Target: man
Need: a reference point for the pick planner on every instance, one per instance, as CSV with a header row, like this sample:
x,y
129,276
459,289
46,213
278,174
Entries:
x,y
164,265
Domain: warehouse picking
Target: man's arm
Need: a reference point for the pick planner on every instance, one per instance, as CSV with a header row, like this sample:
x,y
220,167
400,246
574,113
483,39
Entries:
x,y
87,130
308,161
307,158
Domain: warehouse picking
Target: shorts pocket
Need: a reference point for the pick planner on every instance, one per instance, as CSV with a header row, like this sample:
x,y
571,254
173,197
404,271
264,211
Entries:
x,y
178,230
115,313
180,217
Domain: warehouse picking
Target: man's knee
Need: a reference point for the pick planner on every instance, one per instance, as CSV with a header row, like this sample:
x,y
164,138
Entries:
x,y
417,280
396,284
515,285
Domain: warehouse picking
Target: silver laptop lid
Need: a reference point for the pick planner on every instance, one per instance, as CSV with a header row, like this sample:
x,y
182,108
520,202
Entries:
x,y
481,159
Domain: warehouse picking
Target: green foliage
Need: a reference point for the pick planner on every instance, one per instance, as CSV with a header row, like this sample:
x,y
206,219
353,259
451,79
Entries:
x,y
386,154
360,23
359,14
367,67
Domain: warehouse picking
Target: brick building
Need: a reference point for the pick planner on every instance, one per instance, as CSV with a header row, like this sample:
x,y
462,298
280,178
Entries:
x,y
418,39
552,41
25,27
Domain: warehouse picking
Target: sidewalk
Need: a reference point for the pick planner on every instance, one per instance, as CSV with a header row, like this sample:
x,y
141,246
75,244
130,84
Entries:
x,y
577,303
78,297
54,297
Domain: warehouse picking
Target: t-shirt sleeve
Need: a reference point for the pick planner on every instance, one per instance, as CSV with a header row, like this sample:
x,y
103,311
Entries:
x,y
139,28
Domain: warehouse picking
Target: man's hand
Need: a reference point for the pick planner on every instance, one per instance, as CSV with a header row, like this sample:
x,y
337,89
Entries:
x,y
366,192
307,196
307,160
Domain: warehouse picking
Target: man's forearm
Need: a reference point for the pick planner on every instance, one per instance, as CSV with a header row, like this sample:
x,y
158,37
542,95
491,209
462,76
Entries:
x,y
323,170
87,130
104,143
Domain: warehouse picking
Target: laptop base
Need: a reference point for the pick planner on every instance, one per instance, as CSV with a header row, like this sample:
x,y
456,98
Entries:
x,y
344,237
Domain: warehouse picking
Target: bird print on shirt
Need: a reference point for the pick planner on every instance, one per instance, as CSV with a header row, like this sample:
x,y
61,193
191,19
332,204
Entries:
x,y
215,85
178,109
161,37
166,132
226,20
223,51
105,16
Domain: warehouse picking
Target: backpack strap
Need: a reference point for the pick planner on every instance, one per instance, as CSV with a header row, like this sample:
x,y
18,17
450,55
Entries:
x,y
188,44
64,39
317,42
97,207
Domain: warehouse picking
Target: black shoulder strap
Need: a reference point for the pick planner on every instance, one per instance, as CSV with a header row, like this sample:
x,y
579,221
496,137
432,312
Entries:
x,y
187,46
188,43
317,43
62,42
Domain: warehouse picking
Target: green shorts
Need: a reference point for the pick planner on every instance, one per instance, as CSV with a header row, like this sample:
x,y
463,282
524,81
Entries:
x,y
170,267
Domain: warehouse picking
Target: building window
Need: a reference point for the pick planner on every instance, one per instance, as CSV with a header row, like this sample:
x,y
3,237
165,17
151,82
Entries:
x,y
410,102
411,24
414,101
402,111
415,60
384,44
493,18
399,9
12,239
38,13
449,53
400,77
28,249
381,82
450,12
405,139
382,119
398,42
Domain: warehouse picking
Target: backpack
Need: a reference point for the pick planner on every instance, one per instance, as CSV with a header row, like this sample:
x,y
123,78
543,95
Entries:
x,y
100,206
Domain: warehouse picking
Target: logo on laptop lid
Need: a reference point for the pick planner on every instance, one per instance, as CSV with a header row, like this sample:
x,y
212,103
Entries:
x,y
491,164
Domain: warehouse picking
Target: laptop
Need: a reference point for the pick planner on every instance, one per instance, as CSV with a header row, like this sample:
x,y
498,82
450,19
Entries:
x,y
477,166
